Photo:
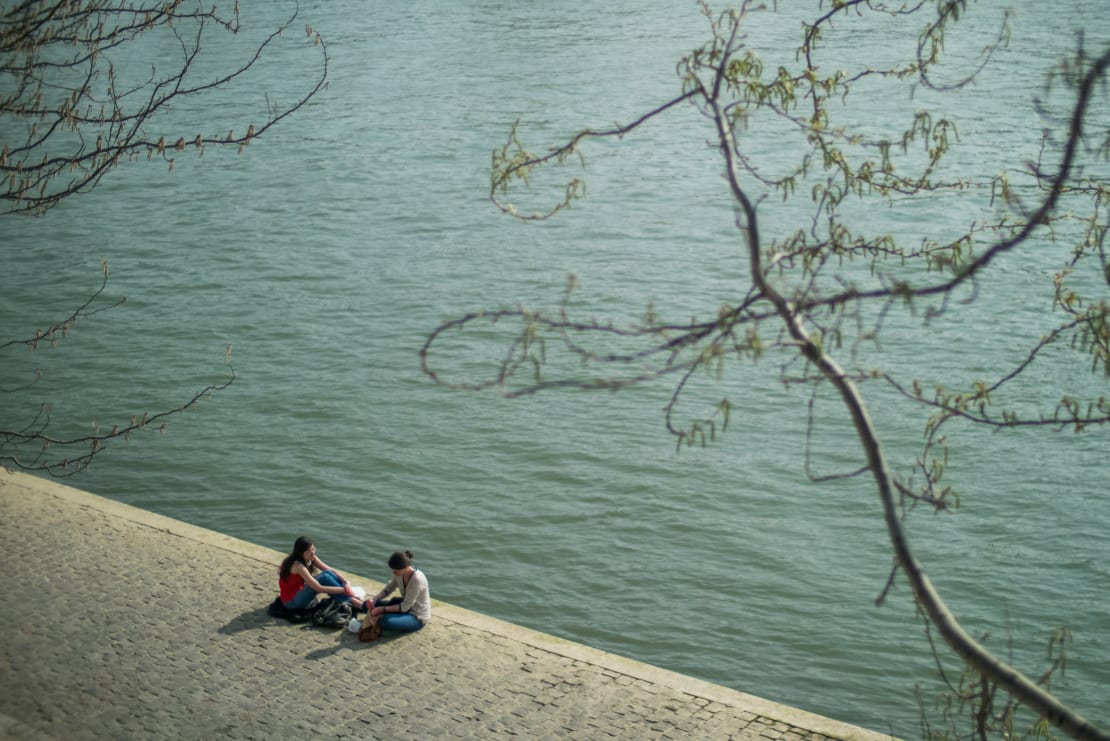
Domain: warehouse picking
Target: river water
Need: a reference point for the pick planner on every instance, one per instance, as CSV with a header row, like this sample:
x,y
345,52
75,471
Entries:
x,y
328,250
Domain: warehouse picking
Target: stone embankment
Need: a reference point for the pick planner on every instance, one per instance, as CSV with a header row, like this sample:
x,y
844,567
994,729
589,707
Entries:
x,y
122,624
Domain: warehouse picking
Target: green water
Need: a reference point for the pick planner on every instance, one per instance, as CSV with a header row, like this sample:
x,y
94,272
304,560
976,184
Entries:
x,y
329,250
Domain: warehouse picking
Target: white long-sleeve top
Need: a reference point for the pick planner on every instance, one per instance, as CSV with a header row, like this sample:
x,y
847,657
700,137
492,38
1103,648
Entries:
x,y
415,598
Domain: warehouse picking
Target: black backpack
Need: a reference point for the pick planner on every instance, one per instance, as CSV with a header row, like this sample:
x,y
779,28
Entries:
x,y
331,613
302,615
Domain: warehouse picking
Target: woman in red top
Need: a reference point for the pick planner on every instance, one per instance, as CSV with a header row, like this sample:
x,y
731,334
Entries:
x,y
299,584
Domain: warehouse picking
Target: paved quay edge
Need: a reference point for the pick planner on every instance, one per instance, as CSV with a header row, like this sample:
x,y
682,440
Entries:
x,y
805,723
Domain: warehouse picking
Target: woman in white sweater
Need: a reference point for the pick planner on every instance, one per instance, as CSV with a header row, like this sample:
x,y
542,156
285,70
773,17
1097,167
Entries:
x,y
405,614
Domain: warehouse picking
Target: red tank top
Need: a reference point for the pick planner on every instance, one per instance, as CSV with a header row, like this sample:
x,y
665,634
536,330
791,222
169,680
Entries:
x,y
289,587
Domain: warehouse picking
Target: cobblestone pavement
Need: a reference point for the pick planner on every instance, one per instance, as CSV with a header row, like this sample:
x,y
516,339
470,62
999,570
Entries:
x,y
114,628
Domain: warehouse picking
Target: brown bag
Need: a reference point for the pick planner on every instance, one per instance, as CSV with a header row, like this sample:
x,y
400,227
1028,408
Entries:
x,y
369,631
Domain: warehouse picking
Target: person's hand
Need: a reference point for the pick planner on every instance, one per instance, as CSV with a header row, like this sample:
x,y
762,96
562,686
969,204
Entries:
x,y
347,590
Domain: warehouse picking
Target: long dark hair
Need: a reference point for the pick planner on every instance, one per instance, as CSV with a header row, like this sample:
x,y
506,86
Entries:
x,y
300,545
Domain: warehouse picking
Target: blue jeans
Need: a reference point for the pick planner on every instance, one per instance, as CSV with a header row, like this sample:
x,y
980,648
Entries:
x,y
400,622
302,598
